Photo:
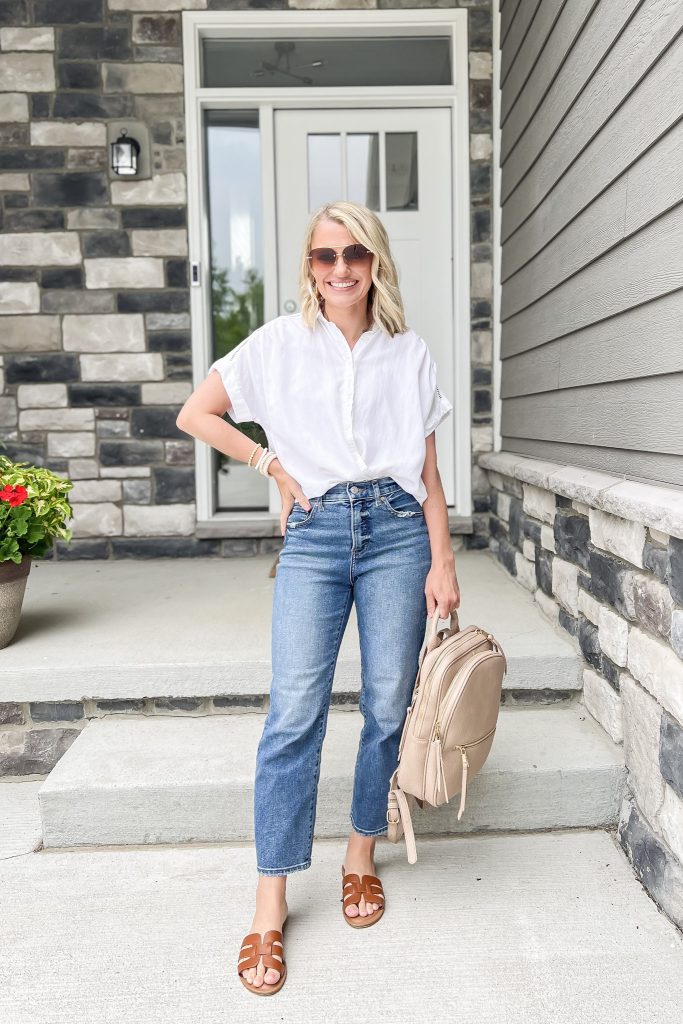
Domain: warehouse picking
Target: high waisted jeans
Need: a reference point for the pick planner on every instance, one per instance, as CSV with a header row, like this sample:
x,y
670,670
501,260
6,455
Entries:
x,y
363,541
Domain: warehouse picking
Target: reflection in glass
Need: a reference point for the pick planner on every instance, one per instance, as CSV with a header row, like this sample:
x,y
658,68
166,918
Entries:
x,y
233,161
362,168
324,170
324,61
401,170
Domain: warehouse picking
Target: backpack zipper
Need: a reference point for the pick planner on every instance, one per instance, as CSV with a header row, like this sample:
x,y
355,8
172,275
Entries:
x,y
462,747
474,629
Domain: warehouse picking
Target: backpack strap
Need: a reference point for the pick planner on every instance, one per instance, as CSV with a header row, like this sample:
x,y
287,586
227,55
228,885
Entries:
x,y
399,820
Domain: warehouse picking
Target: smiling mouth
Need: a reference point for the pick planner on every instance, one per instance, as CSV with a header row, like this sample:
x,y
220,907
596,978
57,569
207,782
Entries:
x,y
340,286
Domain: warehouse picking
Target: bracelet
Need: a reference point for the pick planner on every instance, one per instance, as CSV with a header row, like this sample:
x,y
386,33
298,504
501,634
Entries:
x,y
264,461
254,449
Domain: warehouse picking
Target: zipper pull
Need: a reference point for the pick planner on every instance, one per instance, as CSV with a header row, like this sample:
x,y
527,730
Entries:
x,y
463,791
439,761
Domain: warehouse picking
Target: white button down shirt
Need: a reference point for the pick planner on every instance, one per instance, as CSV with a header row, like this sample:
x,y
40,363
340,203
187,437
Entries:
x,y
333,413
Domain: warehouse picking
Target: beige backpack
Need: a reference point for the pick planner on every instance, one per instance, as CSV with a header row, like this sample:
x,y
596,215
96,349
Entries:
x,y
449,726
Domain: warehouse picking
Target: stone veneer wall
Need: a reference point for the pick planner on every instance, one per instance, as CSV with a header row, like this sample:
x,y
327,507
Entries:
x,y
94,321
603,558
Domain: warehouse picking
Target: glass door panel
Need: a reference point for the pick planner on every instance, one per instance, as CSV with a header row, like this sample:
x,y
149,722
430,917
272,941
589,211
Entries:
x,y
362,168
233,162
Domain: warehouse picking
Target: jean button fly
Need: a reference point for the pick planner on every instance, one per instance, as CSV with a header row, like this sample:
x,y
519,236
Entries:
x,y
355,490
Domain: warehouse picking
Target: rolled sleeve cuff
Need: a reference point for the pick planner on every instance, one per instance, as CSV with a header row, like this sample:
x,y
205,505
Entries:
x,y
440,409
238,409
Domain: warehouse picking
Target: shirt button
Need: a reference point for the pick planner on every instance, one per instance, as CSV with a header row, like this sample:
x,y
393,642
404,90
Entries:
x,y
355,490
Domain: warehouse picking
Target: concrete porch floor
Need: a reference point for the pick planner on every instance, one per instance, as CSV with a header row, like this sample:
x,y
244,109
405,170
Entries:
x,y
200,627
502,929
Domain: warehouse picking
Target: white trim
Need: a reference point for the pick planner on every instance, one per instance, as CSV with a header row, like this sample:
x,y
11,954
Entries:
x,y
496,212
200,24
461,387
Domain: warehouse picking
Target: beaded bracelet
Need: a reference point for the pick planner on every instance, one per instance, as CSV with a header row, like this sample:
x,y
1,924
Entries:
x,y
264,460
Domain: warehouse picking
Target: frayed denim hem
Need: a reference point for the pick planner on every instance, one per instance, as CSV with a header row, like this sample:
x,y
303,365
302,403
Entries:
x,y
284,871
374,832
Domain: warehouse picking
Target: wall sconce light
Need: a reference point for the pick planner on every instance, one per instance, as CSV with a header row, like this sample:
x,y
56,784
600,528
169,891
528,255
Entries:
x,y
125,152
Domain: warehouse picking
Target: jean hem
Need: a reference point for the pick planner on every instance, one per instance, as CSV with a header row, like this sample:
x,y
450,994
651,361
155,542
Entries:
x,y
284,871
371,832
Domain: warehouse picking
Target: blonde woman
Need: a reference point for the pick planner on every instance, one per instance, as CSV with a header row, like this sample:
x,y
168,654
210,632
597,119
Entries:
x,y
347,395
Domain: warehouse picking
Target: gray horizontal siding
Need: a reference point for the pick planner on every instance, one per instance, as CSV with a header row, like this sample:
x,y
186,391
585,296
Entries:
x,y
561,18
654,108
515,37
592,235
555,29
561,134
641,466
641,342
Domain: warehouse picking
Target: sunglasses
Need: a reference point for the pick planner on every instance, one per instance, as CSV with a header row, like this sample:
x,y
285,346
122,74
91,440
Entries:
x,y
351,254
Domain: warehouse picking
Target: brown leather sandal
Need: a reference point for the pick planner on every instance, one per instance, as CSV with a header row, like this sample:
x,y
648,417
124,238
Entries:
x,y
352,890
253,948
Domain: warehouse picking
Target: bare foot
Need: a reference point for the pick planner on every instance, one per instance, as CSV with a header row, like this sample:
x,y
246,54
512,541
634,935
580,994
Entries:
x,y
271,911
360,854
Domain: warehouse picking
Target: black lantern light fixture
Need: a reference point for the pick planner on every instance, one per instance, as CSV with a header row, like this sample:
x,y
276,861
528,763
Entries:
x,y
124,154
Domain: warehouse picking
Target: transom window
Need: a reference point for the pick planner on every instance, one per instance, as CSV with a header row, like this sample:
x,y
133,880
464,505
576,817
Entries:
x,y
322,61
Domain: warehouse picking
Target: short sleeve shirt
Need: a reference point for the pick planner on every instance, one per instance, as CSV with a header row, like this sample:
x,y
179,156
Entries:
x,y
333,413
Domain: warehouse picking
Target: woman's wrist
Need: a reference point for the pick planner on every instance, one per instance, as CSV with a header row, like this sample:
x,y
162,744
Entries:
x,y
444,559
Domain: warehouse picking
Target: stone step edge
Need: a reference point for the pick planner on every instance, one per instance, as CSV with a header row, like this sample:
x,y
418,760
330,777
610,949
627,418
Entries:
x,y
240,844
163,780
20,716
240,679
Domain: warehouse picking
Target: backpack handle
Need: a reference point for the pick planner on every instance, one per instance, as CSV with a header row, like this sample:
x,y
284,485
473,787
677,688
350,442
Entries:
x,y
433,627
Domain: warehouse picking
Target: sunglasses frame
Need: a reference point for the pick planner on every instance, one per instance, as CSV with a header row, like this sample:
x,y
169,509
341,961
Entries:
x,y
338,253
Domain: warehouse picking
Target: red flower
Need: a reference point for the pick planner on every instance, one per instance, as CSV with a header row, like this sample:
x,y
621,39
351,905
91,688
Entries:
x,y
14,495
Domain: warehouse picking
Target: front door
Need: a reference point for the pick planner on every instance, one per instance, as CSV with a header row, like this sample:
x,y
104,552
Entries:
x,y
398,163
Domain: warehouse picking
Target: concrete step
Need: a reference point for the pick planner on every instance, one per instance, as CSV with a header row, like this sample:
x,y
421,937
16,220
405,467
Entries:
x,y
130,780
201,627
527,929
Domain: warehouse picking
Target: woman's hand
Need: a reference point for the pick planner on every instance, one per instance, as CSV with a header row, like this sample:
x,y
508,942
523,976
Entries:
x,y
290,491
441,589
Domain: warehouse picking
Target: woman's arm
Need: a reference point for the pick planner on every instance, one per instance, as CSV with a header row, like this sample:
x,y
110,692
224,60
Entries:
x,y
441,585
202,417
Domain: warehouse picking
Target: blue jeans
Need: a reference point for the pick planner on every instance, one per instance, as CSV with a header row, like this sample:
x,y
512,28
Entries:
x,y
365,541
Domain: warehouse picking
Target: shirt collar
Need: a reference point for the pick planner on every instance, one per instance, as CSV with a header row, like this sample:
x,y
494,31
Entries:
x,y
327,323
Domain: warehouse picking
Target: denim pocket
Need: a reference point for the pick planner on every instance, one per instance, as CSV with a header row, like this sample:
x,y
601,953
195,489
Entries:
x,y
401,504
299,516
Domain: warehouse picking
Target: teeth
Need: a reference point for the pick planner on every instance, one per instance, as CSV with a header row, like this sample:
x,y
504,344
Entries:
x,y
341,284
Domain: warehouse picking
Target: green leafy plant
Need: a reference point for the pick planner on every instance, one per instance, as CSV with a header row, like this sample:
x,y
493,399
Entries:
x,y
33,510
235,313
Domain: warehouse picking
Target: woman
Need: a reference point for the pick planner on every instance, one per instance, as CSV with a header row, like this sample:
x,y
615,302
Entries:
x,y
347,396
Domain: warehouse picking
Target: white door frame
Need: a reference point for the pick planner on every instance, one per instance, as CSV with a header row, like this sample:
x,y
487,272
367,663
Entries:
x,y
198,25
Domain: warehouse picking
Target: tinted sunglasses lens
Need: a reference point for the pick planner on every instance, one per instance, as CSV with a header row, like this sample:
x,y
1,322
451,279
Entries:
x,y
357,254
325,257
351,254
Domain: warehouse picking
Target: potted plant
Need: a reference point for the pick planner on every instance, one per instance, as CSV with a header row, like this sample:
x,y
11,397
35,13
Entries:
x,y
33,511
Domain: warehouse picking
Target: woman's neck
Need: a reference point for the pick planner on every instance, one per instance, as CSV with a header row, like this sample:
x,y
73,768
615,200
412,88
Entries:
x,y
351,322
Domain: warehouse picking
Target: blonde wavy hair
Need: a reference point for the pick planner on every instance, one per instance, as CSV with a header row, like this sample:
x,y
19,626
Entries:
x,y
385,306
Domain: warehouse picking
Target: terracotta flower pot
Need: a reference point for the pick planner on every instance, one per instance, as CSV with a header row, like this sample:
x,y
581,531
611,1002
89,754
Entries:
x,y
13,578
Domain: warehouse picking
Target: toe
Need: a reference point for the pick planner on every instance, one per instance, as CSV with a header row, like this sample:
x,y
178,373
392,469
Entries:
x,y
351,909
271,976
249,975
